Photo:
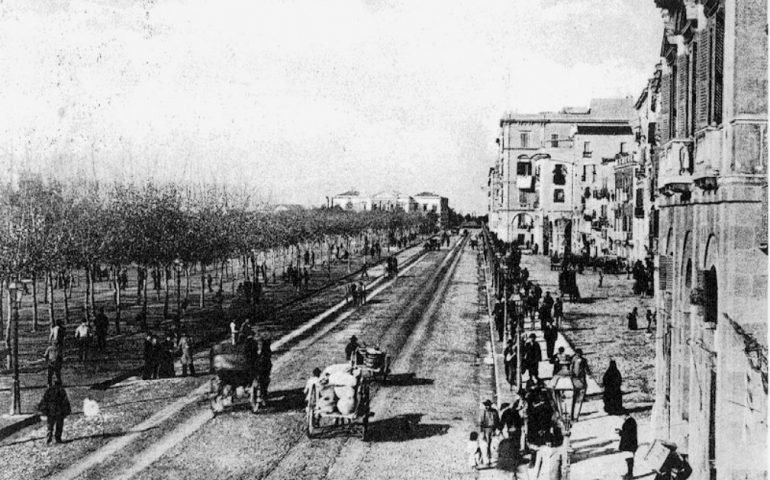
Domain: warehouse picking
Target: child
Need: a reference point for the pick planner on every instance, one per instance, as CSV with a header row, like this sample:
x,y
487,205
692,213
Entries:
x,y
474,451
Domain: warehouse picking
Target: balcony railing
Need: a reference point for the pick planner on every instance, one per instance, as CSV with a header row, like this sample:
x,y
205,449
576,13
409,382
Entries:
x,y
676,167
587,154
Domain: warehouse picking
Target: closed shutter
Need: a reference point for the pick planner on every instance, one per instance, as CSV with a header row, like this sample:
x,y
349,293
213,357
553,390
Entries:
x,y
665,108
719,47
681,96
666,272
702,83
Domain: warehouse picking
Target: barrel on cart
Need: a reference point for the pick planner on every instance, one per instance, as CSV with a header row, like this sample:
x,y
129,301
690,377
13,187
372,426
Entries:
x,y
235,369
339,399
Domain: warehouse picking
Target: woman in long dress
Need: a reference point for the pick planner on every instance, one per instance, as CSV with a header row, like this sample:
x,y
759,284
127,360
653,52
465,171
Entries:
x,y
613,396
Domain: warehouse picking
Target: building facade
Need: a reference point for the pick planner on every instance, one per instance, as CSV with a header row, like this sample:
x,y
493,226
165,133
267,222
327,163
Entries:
x,y
351,200
550,187
428,202
711,281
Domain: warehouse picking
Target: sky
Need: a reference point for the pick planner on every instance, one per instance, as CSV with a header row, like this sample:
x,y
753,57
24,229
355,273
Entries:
x,y
301,99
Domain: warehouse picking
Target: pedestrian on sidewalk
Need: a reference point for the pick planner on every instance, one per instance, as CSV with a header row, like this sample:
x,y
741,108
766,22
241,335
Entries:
x,y
499,316
561,362
101,325
532,355
580,371
550,334
601,277
83,339
55,406
558,312
632,319
548,462
361,293
650,320
509,362
166,350
613,396
489,422
545,316
186,358
53,360
365,270
475,458
628,444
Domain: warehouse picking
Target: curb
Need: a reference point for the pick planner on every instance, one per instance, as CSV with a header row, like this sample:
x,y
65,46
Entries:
x,y
23,422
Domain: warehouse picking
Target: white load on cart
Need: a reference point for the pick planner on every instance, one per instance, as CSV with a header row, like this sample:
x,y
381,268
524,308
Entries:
x,y
340,394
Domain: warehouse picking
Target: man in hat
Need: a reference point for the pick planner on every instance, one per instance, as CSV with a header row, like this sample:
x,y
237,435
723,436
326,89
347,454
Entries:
x,y
532,355
351,347
489,422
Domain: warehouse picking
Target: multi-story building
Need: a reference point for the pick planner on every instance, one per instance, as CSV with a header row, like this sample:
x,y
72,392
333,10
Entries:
x,y
393,201
547,162
428,202
711,342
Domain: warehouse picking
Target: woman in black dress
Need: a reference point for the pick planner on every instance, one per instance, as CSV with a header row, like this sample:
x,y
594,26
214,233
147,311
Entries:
x,y
613,396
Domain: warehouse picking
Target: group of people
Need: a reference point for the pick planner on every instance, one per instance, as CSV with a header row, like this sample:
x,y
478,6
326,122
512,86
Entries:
x,y
633,319
355,293
298,277
160,353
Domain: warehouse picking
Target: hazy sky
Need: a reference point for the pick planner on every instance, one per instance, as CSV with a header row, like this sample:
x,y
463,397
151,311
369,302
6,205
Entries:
x,y
307,98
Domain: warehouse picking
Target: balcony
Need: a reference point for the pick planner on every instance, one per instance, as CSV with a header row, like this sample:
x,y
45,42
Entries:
x,y
707,156
676,167
587,154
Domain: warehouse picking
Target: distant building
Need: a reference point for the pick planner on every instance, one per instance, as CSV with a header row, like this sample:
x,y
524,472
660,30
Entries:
x,y
351,200
393,201
428,202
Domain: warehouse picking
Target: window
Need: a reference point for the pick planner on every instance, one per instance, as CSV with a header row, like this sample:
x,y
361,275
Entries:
x,y
558,195
710,68
583,177
523,198
622,147
559,175
554,140
524,169
586,149
524,139
593,175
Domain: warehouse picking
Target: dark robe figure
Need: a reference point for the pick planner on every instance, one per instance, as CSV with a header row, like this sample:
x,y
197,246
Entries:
x,y
613,396
628,443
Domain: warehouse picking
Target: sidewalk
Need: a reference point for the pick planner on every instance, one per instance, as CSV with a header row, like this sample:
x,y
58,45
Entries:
x,y
593,440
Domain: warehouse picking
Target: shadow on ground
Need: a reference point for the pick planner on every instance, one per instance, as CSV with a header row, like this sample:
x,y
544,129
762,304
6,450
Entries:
x,y
403,428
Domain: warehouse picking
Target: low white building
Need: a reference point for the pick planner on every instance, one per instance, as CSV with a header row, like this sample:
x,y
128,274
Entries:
x,y
351,200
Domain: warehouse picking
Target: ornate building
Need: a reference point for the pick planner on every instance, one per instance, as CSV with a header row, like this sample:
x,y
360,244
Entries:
x,y
711,154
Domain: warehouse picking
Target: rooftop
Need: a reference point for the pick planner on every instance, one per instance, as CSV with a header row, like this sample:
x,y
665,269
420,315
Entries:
x,y
601,110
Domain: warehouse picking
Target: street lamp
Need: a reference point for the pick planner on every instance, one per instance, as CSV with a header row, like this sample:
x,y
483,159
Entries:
x,y
564,393
15,293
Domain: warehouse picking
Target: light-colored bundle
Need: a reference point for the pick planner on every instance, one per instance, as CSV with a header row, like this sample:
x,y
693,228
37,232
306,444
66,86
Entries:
x,y
340,379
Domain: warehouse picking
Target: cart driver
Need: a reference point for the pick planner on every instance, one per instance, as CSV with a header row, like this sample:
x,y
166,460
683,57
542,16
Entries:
x,y
352,347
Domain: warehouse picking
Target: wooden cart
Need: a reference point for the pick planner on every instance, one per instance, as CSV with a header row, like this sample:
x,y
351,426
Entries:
x,y
234,367
319,417
372,362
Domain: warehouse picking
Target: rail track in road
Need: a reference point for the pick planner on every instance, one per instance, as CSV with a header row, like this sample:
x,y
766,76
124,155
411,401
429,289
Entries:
x,y
412,290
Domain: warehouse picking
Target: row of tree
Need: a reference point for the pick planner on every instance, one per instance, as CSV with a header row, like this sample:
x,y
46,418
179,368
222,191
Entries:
x,y
50,229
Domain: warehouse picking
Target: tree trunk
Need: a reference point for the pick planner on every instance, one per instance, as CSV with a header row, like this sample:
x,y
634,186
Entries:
x,y
7,336
89,286
187,282
46,280
165,285
144,300
2,315
201,301
67,293
116,282
51,312
222,275
34,302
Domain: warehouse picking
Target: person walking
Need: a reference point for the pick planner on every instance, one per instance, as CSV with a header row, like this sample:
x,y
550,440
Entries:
x,y
550,334
489,422
579,370
532,355
499,316
561,362
186,359
650,320
56,336
628,444
166,350
613,396
101,325
53,360
558,312
55,406
632,319
509,362
83,339
149,357
264,367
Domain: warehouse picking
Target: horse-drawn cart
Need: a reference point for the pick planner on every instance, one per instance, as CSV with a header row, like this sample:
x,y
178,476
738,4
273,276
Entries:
x,y
236,369
341,394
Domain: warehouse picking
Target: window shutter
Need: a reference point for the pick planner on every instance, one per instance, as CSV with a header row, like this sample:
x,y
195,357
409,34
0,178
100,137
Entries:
x,y
665,108
719,45
682,62
702,83
666,271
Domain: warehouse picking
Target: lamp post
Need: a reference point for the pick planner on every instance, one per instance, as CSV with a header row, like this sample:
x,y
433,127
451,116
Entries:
x,y
15,292
563,390
517,304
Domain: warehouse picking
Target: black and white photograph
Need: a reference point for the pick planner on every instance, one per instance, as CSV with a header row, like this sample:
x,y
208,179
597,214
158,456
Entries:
x,y
384,239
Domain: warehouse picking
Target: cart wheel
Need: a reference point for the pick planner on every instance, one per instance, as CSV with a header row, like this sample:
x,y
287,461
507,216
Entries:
x,y
310,420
